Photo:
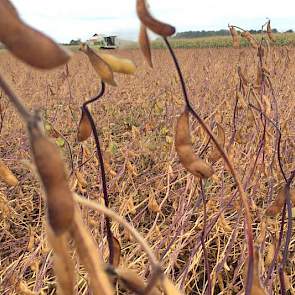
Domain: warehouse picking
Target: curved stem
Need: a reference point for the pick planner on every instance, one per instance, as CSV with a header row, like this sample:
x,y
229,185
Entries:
x,y
102,168
98,96
239,28
248,219
111,214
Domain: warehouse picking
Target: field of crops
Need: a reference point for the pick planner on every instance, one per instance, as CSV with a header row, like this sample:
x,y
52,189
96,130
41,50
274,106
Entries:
x,y
222,41
147,184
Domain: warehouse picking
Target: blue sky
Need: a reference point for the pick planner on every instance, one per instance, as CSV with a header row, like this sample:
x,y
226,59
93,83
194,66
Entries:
x,y
64,20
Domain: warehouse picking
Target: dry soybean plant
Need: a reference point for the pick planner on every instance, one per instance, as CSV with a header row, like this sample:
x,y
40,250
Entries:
x,y
63,217
260,259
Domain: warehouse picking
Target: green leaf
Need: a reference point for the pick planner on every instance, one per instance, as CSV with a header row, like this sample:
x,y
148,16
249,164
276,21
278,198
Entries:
x,y
47,127
164,131
169,139
113,148
60,142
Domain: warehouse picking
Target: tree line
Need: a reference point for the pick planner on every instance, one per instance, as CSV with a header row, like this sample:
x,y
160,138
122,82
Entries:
x,y
223,32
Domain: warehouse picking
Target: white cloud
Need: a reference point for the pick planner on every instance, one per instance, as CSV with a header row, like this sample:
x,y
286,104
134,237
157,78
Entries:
x,y
65,20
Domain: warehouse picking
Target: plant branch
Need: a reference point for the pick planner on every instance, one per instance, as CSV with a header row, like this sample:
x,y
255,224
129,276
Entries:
x,y
102,168
248,219
113,215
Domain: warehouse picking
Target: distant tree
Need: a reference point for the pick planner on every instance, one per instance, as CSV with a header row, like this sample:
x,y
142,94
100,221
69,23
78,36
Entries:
x,y
289,31
199,34
203,33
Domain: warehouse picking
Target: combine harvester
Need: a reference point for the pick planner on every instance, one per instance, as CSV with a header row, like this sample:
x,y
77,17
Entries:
x,y
104,41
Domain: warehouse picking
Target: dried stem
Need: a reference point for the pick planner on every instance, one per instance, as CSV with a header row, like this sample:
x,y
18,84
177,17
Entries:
x,y
289,230
113,215
248,219
102,168
206,261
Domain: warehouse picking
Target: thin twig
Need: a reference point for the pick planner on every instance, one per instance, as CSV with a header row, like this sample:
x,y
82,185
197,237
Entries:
x,y
206,261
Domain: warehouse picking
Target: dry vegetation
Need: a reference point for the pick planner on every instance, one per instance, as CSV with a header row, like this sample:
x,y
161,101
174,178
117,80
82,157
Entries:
x,y
147,185
207,231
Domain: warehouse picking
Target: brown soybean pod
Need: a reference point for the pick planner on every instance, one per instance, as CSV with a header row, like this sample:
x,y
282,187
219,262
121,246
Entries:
x,y
183,145
117,252
144,44
247,35
117,64
6,175
277,205
26,43
257,288
132,281
102,68
88,253
235,37
59,199
63,265
269,32
215,154
84,128
150,22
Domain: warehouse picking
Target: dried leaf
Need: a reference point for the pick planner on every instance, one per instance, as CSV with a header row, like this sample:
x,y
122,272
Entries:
x,y
150,22
152,204
144,44
23,289
277,205
241,100
81,179
267,104
26,43
242,77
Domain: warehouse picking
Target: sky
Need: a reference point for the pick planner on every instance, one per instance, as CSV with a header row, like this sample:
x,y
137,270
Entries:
x,y
65,20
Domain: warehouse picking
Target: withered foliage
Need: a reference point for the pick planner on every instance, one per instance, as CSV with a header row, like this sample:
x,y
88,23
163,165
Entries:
x,y
192,218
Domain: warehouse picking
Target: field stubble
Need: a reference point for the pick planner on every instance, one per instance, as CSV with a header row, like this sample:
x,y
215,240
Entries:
x,y
147,184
